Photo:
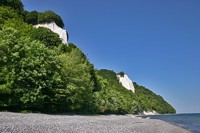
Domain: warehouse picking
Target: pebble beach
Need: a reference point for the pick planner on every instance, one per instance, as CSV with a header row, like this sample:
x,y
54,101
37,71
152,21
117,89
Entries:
x,y
44,123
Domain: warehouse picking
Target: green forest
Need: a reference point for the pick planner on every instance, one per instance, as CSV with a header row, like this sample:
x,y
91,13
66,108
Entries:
x,y
38,73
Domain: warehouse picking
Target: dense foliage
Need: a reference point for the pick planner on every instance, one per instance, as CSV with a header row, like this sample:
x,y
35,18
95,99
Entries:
x,y
43,78
7,13
15,4
35,17
113,98
31,17
29,70
142,100
121,74
149,101
40,73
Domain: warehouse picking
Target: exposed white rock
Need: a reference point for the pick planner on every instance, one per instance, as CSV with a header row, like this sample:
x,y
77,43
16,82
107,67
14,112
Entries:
x,y
126,82
149,113
56,29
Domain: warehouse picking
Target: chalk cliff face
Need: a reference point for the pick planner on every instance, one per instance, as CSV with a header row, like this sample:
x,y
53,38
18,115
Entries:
x,y
148,113
126,82
56,29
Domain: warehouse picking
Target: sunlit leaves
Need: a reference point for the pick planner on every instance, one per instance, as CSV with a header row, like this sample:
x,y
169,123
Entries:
x,y
34,68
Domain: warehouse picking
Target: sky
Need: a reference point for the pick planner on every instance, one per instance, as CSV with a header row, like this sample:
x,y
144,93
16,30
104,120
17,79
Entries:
x,y
156,43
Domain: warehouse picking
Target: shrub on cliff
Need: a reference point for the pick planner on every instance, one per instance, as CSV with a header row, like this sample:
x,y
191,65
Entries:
x,y
31,17
35,17
50,16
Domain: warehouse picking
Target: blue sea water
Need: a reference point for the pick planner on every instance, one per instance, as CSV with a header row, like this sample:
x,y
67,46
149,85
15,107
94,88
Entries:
x,y
187,121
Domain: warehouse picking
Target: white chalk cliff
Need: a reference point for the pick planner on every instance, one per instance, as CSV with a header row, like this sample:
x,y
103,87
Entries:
x,y
56,29
148,113
126,82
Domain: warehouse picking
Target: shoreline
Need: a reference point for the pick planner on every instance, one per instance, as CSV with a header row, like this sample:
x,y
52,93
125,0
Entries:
x,y
32,122
147,117
177,126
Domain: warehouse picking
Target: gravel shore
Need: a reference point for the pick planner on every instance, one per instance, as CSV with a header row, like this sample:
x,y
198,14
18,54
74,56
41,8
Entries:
x,y
43,123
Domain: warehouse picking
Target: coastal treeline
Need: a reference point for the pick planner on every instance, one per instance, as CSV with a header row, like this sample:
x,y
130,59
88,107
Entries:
x,y
39,73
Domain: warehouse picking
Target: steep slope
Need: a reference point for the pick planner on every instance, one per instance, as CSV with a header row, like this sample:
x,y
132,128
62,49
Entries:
x,y
40,73
126,81
142,101
113,97
151,102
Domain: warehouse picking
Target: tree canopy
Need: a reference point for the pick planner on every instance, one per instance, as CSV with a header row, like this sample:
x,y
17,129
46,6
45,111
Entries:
x,y
15,4
35,17
50,16
149,101
31,70
7,13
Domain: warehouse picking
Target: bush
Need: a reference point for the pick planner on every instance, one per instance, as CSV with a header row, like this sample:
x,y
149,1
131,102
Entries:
x,y
149,101
113,98
46,36
7,13
50,16
15,4
78,93
31,17
35,17
30,72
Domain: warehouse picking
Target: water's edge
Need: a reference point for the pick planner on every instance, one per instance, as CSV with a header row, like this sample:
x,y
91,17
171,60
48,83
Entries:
x,y
157,117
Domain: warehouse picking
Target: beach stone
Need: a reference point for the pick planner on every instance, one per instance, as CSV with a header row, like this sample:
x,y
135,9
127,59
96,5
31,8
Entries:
x,y
44,123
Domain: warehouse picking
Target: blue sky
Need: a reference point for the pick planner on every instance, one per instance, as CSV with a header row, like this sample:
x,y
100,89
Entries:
x,y
157,42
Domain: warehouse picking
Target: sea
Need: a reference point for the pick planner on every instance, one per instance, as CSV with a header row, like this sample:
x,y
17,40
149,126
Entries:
x,y
188,121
